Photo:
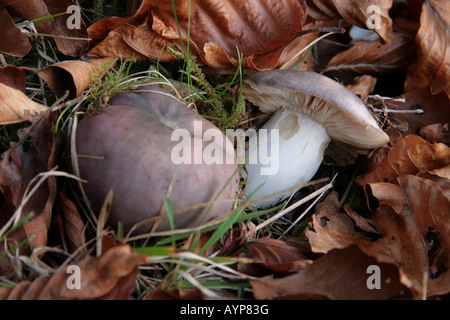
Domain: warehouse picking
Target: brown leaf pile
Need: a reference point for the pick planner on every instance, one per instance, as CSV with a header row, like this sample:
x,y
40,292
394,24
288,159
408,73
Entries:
x,y
405,231
259,29
406,235
108,277
408,193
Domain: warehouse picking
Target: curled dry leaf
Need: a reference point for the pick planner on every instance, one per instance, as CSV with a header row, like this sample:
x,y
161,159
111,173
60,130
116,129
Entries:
x,y
408,191
16,107
271,254
111,277
423,202
260,29
432,41
331,229
346,279
13,77
409,155
374,56
72,226
12,41
400,242
73,75
354,12
362,86
436,133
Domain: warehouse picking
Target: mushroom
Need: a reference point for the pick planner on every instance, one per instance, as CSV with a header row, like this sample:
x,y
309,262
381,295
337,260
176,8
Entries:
x,y
133,147
308,111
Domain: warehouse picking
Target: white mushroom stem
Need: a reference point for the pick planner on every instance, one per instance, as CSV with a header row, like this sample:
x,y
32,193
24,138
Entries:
x,y
289,152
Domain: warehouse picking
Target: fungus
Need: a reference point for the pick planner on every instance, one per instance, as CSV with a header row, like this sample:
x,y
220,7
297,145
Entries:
x,y
308,110
128,147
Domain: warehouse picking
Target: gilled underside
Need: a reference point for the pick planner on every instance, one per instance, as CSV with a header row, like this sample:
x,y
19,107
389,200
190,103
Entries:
x,y
350,124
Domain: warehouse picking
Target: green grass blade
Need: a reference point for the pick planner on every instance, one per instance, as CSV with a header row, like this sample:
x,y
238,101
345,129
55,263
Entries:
x,y
41,19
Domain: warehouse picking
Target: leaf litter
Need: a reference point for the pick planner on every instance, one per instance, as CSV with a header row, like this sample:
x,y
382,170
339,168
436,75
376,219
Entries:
x,y
401,224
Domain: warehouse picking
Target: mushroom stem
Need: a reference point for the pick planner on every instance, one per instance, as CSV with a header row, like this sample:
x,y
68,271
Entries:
x,y
289,152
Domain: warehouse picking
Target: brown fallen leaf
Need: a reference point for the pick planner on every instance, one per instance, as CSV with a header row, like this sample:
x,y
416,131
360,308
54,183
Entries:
x,y
411,215
399,243
16,107
290,58
110,277
354,12
271,255
71,42
12,41
409,155
341,274
260,29
73,75
423,201
436,110
432,215
375,57
72,225
436,133
433,38
362,86
13,77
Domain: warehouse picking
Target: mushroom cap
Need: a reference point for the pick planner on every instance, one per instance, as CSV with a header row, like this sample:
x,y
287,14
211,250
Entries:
x,y
343,114
127,148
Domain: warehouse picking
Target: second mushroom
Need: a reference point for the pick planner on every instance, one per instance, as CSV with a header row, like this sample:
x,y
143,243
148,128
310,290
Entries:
x,y
308,110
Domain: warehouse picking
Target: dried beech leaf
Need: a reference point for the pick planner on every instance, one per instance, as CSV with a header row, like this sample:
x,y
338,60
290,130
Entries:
x,y
362,86
436,133
127,41
354,12
431,210
16,107
400,242
71,42
341,274
331,229
409,155
260,29
12,41
74,75
436,110
13,77
374,56
111,277
73,225
287,60
432,41
272,254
